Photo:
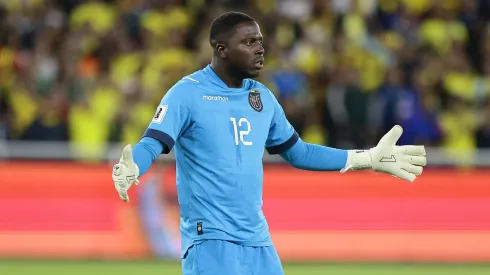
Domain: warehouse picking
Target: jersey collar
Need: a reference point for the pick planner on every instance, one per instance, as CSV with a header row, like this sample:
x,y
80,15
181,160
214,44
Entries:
x,y
217,80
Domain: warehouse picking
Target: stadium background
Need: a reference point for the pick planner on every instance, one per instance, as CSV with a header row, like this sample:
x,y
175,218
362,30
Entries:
x,y
79,79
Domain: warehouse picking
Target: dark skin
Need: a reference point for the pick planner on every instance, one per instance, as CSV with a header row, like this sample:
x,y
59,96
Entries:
x,y
239,54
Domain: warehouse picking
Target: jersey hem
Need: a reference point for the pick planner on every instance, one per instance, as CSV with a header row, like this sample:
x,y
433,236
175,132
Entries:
x,y
197,241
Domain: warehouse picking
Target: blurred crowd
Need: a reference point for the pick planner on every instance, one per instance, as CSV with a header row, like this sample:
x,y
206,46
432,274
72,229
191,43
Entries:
x,y
345,71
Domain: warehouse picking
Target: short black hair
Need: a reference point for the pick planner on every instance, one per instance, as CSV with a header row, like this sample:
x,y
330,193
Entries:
x,y
226,22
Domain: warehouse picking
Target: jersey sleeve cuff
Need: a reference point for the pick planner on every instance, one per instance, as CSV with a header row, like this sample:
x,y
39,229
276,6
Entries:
x,y
277,149
163,137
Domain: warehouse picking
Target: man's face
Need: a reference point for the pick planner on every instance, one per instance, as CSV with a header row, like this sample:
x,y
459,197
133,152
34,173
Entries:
x,y
245,52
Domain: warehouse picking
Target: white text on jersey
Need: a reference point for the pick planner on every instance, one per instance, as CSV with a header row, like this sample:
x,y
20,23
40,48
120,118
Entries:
x,y
215,98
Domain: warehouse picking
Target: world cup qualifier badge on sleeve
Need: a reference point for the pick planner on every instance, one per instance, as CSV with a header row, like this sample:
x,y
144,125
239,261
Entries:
x,y
255,101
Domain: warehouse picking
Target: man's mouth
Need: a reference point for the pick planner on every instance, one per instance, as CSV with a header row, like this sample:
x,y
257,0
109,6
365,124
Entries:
x,y
259,64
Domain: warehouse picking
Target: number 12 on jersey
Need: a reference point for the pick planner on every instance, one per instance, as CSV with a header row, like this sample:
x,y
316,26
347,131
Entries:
x,y
240,134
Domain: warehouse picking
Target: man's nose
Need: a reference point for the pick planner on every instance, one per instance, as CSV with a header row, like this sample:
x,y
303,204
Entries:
x,y
260,50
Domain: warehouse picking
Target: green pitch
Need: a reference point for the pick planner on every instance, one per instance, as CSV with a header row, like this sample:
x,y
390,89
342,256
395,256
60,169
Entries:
x,y
37,267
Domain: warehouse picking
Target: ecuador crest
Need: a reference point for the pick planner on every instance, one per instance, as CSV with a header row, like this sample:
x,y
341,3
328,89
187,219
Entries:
x,y
255,101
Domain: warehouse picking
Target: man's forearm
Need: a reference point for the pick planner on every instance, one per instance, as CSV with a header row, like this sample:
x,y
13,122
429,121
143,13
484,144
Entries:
x,y
145,153
315,157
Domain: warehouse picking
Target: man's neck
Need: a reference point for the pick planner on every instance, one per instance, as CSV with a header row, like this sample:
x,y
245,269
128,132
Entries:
x,y
225,76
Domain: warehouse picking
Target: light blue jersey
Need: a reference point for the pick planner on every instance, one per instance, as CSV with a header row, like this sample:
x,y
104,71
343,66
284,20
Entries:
x,y
219,135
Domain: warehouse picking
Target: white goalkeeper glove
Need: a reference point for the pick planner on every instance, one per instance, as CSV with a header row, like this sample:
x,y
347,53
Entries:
x,y
125,173
405,162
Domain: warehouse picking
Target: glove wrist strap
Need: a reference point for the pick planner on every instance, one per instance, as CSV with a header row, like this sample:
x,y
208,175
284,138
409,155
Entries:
x,y
357,160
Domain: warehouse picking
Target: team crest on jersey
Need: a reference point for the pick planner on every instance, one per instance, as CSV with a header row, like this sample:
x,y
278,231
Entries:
x,y
255,101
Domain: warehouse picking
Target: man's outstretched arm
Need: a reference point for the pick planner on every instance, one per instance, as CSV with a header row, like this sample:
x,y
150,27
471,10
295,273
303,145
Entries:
x,y
170,119
405,162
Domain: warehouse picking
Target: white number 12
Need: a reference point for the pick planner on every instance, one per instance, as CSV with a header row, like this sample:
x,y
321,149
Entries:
x,y
241,133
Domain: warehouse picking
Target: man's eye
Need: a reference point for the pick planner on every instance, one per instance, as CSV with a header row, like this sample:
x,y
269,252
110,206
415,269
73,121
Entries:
x,y
248,42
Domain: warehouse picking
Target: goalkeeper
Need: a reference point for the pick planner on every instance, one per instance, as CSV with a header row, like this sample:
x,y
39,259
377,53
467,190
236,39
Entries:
x,y
219,120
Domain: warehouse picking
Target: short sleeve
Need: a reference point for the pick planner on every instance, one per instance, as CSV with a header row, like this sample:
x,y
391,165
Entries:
x,y
282,135
170,120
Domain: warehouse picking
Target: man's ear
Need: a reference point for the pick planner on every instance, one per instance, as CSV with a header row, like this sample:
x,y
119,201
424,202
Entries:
x,y
221,50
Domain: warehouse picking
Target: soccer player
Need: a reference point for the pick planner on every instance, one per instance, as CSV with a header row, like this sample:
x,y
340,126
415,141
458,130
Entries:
x,y
219,120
